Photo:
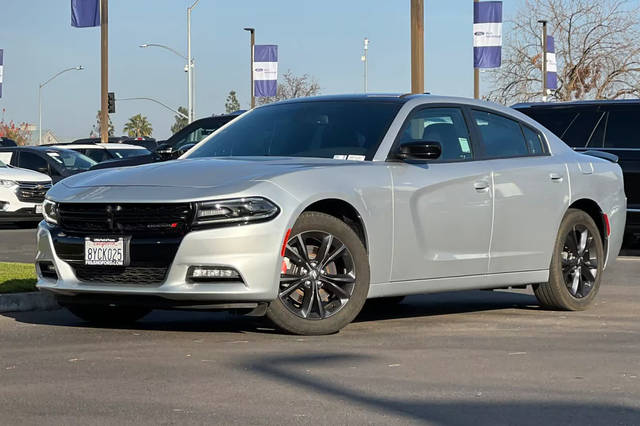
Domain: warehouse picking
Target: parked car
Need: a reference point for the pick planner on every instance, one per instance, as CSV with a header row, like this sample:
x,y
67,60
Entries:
x,y
177,144
605,126
101,152
55,162
21,194
303,209
7,142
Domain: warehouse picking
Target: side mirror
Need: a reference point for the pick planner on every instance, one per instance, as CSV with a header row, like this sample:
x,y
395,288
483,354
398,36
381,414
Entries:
x,y
419,151
184,148
44,170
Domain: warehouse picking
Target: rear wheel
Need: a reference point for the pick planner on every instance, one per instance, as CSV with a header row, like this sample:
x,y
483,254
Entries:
x,y
325,277
107,315
576,265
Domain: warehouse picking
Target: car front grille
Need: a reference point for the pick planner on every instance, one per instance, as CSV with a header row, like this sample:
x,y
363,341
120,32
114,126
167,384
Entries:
x,y
32,192
130,275
99,219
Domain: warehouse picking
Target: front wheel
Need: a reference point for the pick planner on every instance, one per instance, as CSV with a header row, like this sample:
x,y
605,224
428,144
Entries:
x,y
576,265
325,278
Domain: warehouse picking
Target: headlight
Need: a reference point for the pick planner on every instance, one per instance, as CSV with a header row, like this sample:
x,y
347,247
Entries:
x,y
236,211
50,211
7,183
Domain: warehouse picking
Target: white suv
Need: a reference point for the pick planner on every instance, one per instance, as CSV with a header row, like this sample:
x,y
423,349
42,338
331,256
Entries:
x,y
21,194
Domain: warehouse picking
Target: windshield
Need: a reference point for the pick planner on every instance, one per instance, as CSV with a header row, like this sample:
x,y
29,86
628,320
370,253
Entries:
x,y
322,129
197,131
71,160
128,153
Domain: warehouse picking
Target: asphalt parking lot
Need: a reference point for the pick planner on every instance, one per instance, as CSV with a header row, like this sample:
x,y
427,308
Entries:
x,y
449,359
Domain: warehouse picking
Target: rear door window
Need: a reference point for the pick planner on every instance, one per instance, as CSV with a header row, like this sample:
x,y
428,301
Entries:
x,y
502,137
623,128
31,161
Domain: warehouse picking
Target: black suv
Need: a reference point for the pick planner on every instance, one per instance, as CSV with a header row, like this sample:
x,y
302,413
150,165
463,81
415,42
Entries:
x,y
609,126
176,145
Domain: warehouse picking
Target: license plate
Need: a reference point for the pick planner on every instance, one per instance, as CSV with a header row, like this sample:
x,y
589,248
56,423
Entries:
x,y
106,251
39,209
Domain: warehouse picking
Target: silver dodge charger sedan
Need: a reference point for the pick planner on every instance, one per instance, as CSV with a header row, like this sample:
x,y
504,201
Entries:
x,y
304,209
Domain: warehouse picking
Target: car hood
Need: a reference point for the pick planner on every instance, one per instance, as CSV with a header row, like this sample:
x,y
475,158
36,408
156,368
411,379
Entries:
x,y
197,173
22,175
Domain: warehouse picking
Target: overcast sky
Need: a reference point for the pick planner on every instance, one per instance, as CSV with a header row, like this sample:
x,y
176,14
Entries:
x,y
321,38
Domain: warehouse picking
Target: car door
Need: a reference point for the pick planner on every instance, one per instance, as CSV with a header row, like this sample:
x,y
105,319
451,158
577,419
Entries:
x,y
442,208
531,193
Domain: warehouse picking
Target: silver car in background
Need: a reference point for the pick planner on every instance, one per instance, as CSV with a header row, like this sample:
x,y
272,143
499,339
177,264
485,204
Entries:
x,y
303,209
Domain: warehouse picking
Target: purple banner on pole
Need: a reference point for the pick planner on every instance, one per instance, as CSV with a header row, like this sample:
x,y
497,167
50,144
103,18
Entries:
x,y
552,66
487,34
85,13
1,69
265,70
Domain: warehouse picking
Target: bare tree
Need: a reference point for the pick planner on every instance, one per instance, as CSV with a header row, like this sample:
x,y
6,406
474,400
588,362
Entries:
x,y
597,51
291,86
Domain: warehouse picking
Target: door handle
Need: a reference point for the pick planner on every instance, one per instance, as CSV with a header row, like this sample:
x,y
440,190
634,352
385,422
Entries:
x,y
556,177
481,186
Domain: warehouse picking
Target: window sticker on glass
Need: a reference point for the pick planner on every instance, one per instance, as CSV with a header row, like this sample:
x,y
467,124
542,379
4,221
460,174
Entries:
x,y
356,157
340,157
464,145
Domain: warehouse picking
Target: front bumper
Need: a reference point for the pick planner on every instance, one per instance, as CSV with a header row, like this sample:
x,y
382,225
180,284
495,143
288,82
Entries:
x,y
253,250
14,210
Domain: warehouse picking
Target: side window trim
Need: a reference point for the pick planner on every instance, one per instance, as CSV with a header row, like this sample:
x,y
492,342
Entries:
x,y
508,117
461,107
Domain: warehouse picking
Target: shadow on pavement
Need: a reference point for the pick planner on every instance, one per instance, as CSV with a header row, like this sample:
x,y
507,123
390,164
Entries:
x,y
290,371
189,321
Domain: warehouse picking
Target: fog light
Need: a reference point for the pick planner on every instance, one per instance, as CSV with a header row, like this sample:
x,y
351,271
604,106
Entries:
x,y
47,270
212,273
3,206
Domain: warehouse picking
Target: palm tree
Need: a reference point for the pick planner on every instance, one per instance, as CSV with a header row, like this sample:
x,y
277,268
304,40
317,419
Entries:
x,y
138,127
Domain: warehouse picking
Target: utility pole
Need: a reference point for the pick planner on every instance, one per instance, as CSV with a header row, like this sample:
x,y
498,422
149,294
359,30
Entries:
x,y
253,43
544,59
104,70
417,46
364,59
476,76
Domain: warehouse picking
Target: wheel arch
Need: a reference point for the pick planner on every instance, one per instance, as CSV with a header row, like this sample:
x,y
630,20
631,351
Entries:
x,y
344,211
592,208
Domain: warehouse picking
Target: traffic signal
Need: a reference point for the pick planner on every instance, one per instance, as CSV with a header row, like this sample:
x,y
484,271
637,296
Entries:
x,y
111,102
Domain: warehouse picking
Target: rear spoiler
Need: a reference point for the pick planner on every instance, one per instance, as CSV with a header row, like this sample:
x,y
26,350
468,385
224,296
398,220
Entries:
x,y
601,154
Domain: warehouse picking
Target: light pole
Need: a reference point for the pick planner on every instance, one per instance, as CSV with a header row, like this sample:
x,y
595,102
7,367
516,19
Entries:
x,y
190,82
544,59
189,61
253,43
364,59
78,68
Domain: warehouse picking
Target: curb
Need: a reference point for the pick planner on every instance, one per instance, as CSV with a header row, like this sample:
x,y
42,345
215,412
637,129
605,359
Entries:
x,y
32,301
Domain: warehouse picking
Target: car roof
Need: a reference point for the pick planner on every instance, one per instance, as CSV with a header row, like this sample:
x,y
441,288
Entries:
x,y
577,103
387,97
98,145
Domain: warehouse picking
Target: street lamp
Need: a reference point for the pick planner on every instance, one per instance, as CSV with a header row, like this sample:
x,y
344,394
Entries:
x,y
364,59
78,68
190,82
190,61
253,43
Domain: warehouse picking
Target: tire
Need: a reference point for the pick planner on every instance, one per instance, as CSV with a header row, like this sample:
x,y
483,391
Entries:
x,y
107,315
572,285
320,293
